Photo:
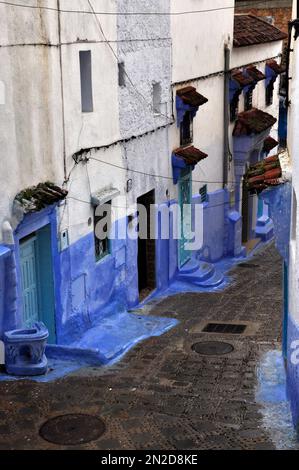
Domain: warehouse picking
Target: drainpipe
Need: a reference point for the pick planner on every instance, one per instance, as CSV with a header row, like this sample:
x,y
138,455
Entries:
x,y
226,149
62,92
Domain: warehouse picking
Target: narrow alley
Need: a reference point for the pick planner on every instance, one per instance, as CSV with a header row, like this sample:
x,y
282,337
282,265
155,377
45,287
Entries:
x,y
163,394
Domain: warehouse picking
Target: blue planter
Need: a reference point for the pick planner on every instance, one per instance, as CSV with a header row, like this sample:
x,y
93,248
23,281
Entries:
x,y
25,351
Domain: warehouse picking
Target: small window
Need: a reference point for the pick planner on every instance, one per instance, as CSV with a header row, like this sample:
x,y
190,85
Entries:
x,y
187,129
269,93
234,108
204,193
102,244
157,98
121,74
248,100
86,81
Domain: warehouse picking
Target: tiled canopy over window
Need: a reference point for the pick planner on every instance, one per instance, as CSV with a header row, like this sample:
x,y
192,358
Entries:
x,y
188,100
273,69
184,158
251,122
245,81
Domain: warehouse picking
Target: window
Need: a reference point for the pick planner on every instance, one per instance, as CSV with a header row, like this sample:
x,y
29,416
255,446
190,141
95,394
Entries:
x,y
157,98
269,93
102,224
187,129
248,100
121,74
86,81
234,108
204,193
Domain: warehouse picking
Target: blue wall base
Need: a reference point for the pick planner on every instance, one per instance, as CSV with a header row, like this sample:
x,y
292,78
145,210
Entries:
x,y
293,371
112,338
264,228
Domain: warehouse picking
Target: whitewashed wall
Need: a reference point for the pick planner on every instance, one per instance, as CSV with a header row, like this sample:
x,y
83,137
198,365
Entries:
x,y
198,50
30,118
293,146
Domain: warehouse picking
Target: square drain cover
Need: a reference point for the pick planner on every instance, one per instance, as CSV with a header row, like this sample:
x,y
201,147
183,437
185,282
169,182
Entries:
x,y
224,328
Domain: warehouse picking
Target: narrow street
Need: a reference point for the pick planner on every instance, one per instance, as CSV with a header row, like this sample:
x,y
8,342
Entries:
x,y
163,394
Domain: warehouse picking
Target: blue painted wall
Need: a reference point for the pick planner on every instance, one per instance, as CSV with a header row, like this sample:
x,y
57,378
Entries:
x,y
86,291
293,371
214,231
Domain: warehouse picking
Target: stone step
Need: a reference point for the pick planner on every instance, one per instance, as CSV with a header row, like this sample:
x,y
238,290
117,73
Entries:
x,y
190,267
214,281
203,272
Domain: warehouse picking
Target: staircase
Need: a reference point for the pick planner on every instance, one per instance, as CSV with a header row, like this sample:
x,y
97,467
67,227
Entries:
x,y
201,274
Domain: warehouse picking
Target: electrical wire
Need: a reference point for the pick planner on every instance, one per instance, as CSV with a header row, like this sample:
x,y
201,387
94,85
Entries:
x,y
75,43
153,175
115,13
209,206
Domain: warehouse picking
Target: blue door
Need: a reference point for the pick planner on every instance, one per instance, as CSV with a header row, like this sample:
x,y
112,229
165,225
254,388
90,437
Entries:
x,y
29,281
185,199
37,281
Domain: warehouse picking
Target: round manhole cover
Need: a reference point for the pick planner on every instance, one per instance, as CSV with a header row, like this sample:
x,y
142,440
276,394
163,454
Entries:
x,y
212,348
72,429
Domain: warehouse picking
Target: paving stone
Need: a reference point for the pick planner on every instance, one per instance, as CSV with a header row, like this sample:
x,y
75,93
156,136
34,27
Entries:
x,y
180,400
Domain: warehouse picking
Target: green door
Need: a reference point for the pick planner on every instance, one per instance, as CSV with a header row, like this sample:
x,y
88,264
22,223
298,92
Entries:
x,y
29,281
185,199
37,281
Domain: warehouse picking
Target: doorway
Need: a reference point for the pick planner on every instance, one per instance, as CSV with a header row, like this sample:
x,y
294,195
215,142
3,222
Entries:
x,y
37,281
245,213
147,251
185,220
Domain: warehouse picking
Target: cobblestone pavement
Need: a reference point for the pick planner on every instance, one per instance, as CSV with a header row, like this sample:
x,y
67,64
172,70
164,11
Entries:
x,y
163,395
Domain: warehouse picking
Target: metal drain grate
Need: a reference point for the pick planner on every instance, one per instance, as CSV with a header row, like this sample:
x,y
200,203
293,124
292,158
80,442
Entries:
x,y
72,429
248,265
212,348
225,328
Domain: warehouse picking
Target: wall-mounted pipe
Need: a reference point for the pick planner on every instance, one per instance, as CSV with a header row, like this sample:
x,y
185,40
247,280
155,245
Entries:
x,y
226,149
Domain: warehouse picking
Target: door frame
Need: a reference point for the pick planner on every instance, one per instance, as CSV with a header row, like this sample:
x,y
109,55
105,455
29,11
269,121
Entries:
x,y
187,175
30,224
149,197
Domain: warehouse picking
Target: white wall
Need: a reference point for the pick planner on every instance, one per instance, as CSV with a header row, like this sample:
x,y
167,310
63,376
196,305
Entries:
x,y
98,128
30,119
198,38
293,146
198,50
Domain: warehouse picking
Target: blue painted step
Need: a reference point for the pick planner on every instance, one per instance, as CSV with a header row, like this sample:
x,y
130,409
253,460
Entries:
x,y
190,267
203,272
213,281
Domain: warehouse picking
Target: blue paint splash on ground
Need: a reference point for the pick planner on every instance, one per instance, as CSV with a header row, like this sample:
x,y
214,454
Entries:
x,y
116,334
102,345
275,408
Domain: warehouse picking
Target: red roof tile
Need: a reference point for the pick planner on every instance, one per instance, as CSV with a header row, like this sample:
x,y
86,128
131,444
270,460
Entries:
x,y
263,174
254,73
242,79
250,30
253,121
190,155
275,66
269,144
190,96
